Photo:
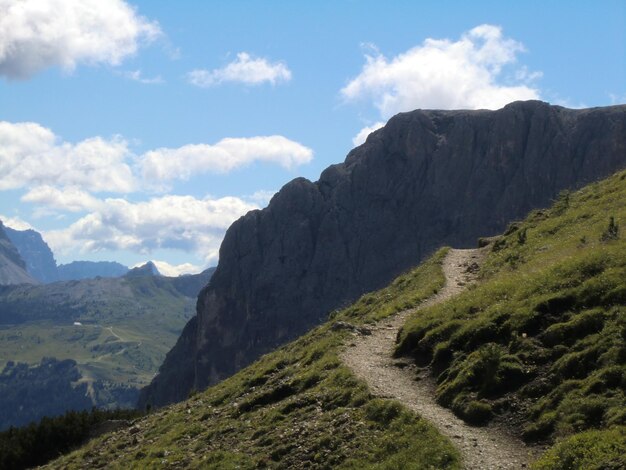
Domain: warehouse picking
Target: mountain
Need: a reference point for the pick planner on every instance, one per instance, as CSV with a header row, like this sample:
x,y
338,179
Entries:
x,y
41,265
428,178
89,269
148,269
12,266
39,259
536,345
114,331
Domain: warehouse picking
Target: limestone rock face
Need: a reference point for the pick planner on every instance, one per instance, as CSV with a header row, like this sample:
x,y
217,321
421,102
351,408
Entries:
x,y
427,179
12,266
36,254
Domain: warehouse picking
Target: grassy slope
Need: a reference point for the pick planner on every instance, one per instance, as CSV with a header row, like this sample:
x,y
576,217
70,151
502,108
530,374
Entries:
x,y
128,325
540,342
296,407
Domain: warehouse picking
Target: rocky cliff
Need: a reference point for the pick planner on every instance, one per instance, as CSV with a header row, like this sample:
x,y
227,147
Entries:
x,y
427,179
36,254
12,266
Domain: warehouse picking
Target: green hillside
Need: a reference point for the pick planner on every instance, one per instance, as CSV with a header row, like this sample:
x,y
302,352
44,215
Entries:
x,y
537,345
540,343
298,407
117,330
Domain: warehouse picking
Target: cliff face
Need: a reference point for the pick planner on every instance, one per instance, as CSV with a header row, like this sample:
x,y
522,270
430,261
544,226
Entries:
x,y
36,253
12,266
427,179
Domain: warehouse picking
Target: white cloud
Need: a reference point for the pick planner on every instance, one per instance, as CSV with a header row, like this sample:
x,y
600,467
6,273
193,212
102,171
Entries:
x,y
228,154
37,34
171,270
31,155
363,133
70,199
443,74
15,223
137,76
245,69
169,222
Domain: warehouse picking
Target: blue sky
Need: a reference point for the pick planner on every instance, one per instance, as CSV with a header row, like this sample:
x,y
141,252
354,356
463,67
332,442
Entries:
x,y
144,130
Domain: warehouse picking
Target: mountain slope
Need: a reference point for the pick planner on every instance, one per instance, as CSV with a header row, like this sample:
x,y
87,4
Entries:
x,y
297,407
12,266
300,407
426,179
36,254
540,343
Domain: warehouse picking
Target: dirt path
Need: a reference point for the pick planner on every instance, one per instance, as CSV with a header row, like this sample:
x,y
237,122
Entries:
x,y
370,357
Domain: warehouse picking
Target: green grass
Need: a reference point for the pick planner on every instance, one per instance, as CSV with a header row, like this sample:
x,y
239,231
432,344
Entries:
x,y
294,408
590,450
542,339
128,326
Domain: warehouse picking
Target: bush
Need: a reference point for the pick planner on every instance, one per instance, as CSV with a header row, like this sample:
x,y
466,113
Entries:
x,y
591,450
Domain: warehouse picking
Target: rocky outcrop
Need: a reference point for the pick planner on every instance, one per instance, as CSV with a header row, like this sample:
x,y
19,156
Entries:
x,y
12,266
427,179
148,269
36,254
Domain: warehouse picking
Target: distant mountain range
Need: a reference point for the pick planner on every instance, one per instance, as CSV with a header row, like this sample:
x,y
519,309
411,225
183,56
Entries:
x,y
82,334
41,265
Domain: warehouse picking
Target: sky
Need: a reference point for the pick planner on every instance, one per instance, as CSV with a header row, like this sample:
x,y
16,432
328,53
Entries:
x,y
140,130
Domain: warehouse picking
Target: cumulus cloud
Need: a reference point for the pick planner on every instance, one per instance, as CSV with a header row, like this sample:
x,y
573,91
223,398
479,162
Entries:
x,y
31,155
363,133
228,154
169,222
444,74
70,199
173,270
36,34
245,69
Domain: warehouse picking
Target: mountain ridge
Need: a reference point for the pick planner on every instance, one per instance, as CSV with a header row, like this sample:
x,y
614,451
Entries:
x,y
426,179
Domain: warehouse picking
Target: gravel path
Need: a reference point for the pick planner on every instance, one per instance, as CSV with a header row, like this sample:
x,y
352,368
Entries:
x,y
370,357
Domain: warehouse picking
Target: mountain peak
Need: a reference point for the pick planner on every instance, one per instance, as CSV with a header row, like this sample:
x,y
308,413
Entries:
x,y
147,269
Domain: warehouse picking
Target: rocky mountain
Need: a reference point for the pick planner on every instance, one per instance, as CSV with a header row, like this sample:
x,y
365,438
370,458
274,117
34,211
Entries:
x,y
41,265
148,269
89,269
40,262
428,178
534,350
12,266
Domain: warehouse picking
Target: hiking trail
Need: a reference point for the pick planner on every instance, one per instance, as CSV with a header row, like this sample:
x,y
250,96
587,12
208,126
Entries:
x,y
371,358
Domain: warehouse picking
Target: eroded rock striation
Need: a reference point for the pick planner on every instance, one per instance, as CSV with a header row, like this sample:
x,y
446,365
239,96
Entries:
x,y
427,179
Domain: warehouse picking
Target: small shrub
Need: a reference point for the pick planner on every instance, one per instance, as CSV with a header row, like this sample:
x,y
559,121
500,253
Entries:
x,y
611,232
